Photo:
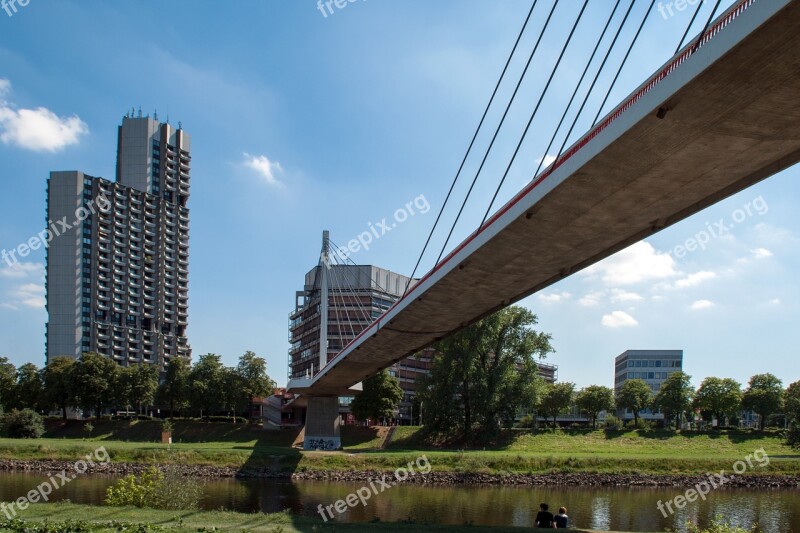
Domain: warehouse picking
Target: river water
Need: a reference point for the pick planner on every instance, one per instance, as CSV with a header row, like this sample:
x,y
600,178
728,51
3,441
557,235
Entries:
x,y
616,509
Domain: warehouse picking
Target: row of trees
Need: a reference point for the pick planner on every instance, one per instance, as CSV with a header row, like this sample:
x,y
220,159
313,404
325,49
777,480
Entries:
x,y
486,374
95,383
718,398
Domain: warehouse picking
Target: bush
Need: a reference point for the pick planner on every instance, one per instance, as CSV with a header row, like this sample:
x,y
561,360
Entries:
x,y
793,435
525,422
612,422
156,490
25,424
643,424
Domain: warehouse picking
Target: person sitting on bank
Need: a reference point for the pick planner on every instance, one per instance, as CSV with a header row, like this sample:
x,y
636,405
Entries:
x,y
561,519
544,518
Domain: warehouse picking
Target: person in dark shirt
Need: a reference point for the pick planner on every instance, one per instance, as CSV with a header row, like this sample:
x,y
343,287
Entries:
x,y
561,519
544,518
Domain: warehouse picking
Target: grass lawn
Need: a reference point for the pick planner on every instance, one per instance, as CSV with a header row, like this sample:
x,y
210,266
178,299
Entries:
x,y
175,521
514,451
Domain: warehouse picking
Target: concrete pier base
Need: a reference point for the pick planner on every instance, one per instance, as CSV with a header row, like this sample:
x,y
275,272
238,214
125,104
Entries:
x,y
322,424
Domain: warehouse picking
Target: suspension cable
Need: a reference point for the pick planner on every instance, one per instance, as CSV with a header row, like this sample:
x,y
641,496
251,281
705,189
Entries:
x,y
689,27
624,60
497,131
471,144
536,109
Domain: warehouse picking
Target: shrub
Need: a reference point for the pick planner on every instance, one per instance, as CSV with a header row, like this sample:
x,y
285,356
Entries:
x,y
525,422
793,435
643,424
612,422
25,424
156,490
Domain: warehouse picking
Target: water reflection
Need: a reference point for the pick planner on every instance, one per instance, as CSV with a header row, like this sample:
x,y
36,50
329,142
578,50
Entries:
x,y
620,509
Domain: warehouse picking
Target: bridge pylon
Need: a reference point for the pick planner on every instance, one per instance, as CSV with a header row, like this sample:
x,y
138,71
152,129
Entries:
x,y
322,424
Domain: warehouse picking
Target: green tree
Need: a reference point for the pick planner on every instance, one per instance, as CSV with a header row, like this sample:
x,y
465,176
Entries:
x,y
635,395
94,380
594,399
380,398
255,382
173,393
232,398
484,373
674,399
764,396
8,379
28,389
137,386
207,384
792,403
722,397
557,398
59,383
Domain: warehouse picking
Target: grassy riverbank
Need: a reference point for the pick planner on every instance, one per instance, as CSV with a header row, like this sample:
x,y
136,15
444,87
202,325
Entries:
x,y
242,447
110,519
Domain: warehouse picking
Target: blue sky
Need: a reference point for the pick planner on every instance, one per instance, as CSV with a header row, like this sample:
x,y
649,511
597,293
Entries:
x,y
302,122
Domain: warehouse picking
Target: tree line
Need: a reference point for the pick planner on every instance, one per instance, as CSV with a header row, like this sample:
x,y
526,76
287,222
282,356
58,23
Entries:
x,y
486,374
716,398
96,384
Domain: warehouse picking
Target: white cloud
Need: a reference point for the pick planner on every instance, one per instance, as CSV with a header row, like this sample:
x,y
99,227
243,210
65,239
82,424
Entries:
x,y
29,291
702,304
22,270
546,161
38,129
554,298
29,295
775,301
635,264
695,279
618,319
761,253
265,168
621,295
592,299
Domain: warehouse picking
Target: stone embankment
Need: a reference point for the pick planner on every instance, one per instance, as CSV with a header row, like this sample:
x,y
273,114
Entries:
x,y
443,478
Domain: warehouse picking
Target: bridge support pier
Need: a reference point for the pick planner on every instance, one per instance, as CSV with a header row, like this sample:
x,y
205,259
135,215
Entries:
x,y
322,424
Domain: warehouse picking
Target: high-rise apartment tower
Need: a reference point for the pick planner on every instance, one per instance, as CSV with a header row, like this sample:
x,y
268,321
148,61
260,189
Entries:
x,y
118,256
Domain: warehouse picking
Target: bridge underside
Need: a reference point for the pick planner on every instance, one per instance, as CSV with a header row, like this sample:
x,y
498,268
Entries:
x,y
731,120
